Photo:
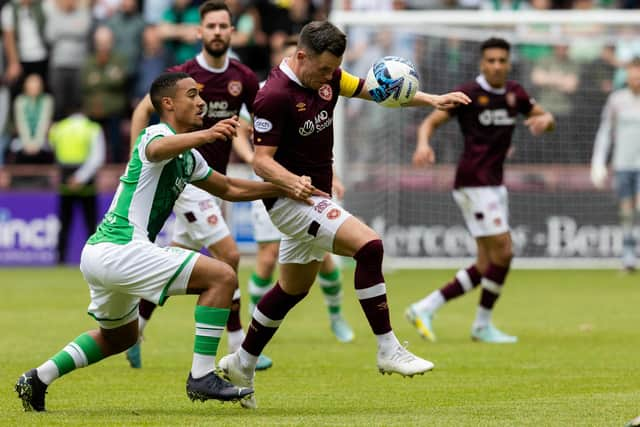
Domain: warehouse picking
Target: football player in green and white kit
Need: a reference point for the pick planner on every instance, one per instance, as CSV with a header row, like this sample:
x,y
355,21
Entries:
x,y
121,264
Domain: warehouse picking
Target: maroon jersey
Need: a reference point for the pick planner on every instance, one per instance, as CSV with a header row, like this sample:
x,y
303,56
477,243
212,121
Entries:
x,y
224,91
487,124
299,121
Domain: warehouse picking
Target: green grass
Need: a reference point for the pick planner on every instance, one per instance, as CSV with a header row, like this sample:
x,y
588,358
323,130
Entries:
x,y
576,363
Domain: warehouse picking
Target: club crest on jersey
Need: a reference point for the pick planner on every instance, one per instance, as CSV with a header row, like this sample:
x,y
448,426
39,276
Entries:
x,y
510,97
301,106
212,219
483,100
325,92
333,213
234,87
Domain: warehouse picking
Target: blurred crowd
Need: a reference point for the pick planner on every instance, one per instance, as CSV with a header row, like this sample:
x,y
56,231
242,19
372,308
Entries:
x,y
64,57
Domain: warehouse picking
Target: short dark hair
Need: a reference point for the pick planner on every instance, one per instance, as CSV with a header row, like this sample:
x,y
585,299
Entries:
x,y
214,6
321,36
164,85
495,42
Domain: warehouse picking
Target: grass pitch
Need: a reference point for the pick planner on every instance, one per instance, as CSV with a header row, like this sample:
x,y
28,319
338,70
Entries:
x,y
576,362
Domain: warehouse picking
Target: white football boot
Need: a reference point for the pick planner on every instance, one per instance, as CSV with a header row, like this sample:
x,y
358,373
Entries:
x,y
401,361
233,372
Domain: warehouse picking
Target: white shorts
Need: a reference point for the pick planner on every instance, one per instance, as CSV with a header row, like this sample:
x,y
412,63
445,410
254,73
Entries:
x,y
120,275
307,231
485,209
263,229
199,222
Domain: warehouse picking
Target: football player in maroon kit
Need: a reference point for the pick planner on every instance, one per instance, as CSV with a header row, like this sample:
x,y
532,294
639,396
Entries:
x,y
293,138
487,124
225,85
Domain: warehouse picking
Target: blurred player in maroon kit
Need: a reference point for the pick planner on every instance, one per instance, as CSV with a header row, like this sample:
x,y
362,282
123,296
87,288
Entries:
x,y
487,124
293,137
225,84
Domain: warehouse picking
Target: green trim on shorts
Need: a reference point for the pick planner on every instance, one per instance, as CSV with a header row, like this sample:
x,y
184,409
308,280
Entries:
x,y
100,319
163,294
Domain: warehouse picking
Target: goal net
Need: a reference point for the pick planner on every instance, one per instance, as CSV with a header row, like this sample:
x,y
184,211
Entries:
x,y
566,60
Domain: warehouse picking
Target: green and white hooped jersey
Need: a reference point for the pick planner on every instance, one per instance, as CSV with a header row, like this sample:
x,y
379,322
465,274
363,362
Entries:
x,y
147,191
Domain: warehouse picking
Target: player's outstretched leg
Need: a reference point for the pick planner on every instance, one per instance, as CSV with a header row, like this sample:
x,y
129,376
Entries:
x,y
134,353
85,350
372,294
239,367
421,313
331,286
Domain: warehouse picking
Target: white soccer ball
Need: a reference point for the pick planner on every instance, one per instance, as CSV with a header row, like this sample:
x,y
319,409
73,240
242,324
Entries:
x,y
392,81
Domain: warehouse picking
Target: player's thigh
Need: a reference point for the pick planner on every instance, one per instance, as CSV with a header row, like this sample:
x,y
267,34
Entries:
x,y
499,247
625,185
226,250
296,279
266,258
211,273
352,235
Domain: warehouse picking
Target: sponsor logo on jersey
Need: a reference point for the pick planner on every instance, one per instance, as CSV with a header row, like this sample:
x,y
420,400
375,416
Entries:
x,y
212,219
234,87
325,92
301,106
219,110
510,97
483,100
262,125
498,117
333,213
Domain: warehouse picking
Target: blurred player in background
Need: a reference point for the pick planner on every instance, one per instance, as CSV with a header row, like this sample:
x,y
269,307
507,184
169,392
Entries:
x,y
121,264
487,124
293,137
225,85
268,237
620,125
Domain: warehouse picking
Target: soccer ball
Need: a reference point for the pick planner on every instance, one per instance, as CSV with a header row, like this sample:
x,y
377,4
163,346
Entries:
x,y
392,81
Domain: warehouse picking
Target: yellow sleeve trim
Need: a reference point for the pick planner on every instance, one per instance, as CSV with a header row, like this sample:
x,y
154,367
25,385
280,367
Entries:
x,y
349,84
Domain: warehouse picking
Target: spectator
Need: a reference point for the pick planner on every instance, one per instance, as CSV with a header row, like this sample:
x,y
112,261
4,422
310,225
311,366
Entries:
x,y
67,30
179,29
556,81
23,23
33,113
127,26
78,144
4,108
104,88
152,63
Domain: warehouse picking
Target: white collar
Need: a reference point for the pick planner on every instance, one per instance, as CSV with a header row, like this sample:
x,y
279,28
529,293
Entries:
x,y
289,72
203,63
484,84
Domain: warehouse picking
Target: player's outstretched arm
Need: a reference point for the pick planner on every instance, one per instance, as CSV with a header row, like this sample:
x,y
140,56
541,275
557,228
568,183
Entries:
x,y
539,121
242,142
238,190
296,187
140,118
169,147
424,154
441,102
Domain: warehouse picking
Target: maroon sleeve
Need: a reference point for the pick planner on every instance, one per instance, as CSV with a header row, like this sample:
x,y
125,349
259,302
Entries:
x,y
180,68
524,102
269,111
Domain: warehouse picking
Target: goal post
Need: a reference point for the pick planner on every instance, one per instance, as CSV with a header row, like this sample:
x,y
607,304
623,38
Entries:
x,y
567,60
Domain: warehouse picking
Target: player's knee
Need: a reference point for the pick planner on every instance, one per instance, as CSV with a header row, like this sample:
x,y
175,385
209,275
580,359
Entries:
x,y
371,252
227,279
231,258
